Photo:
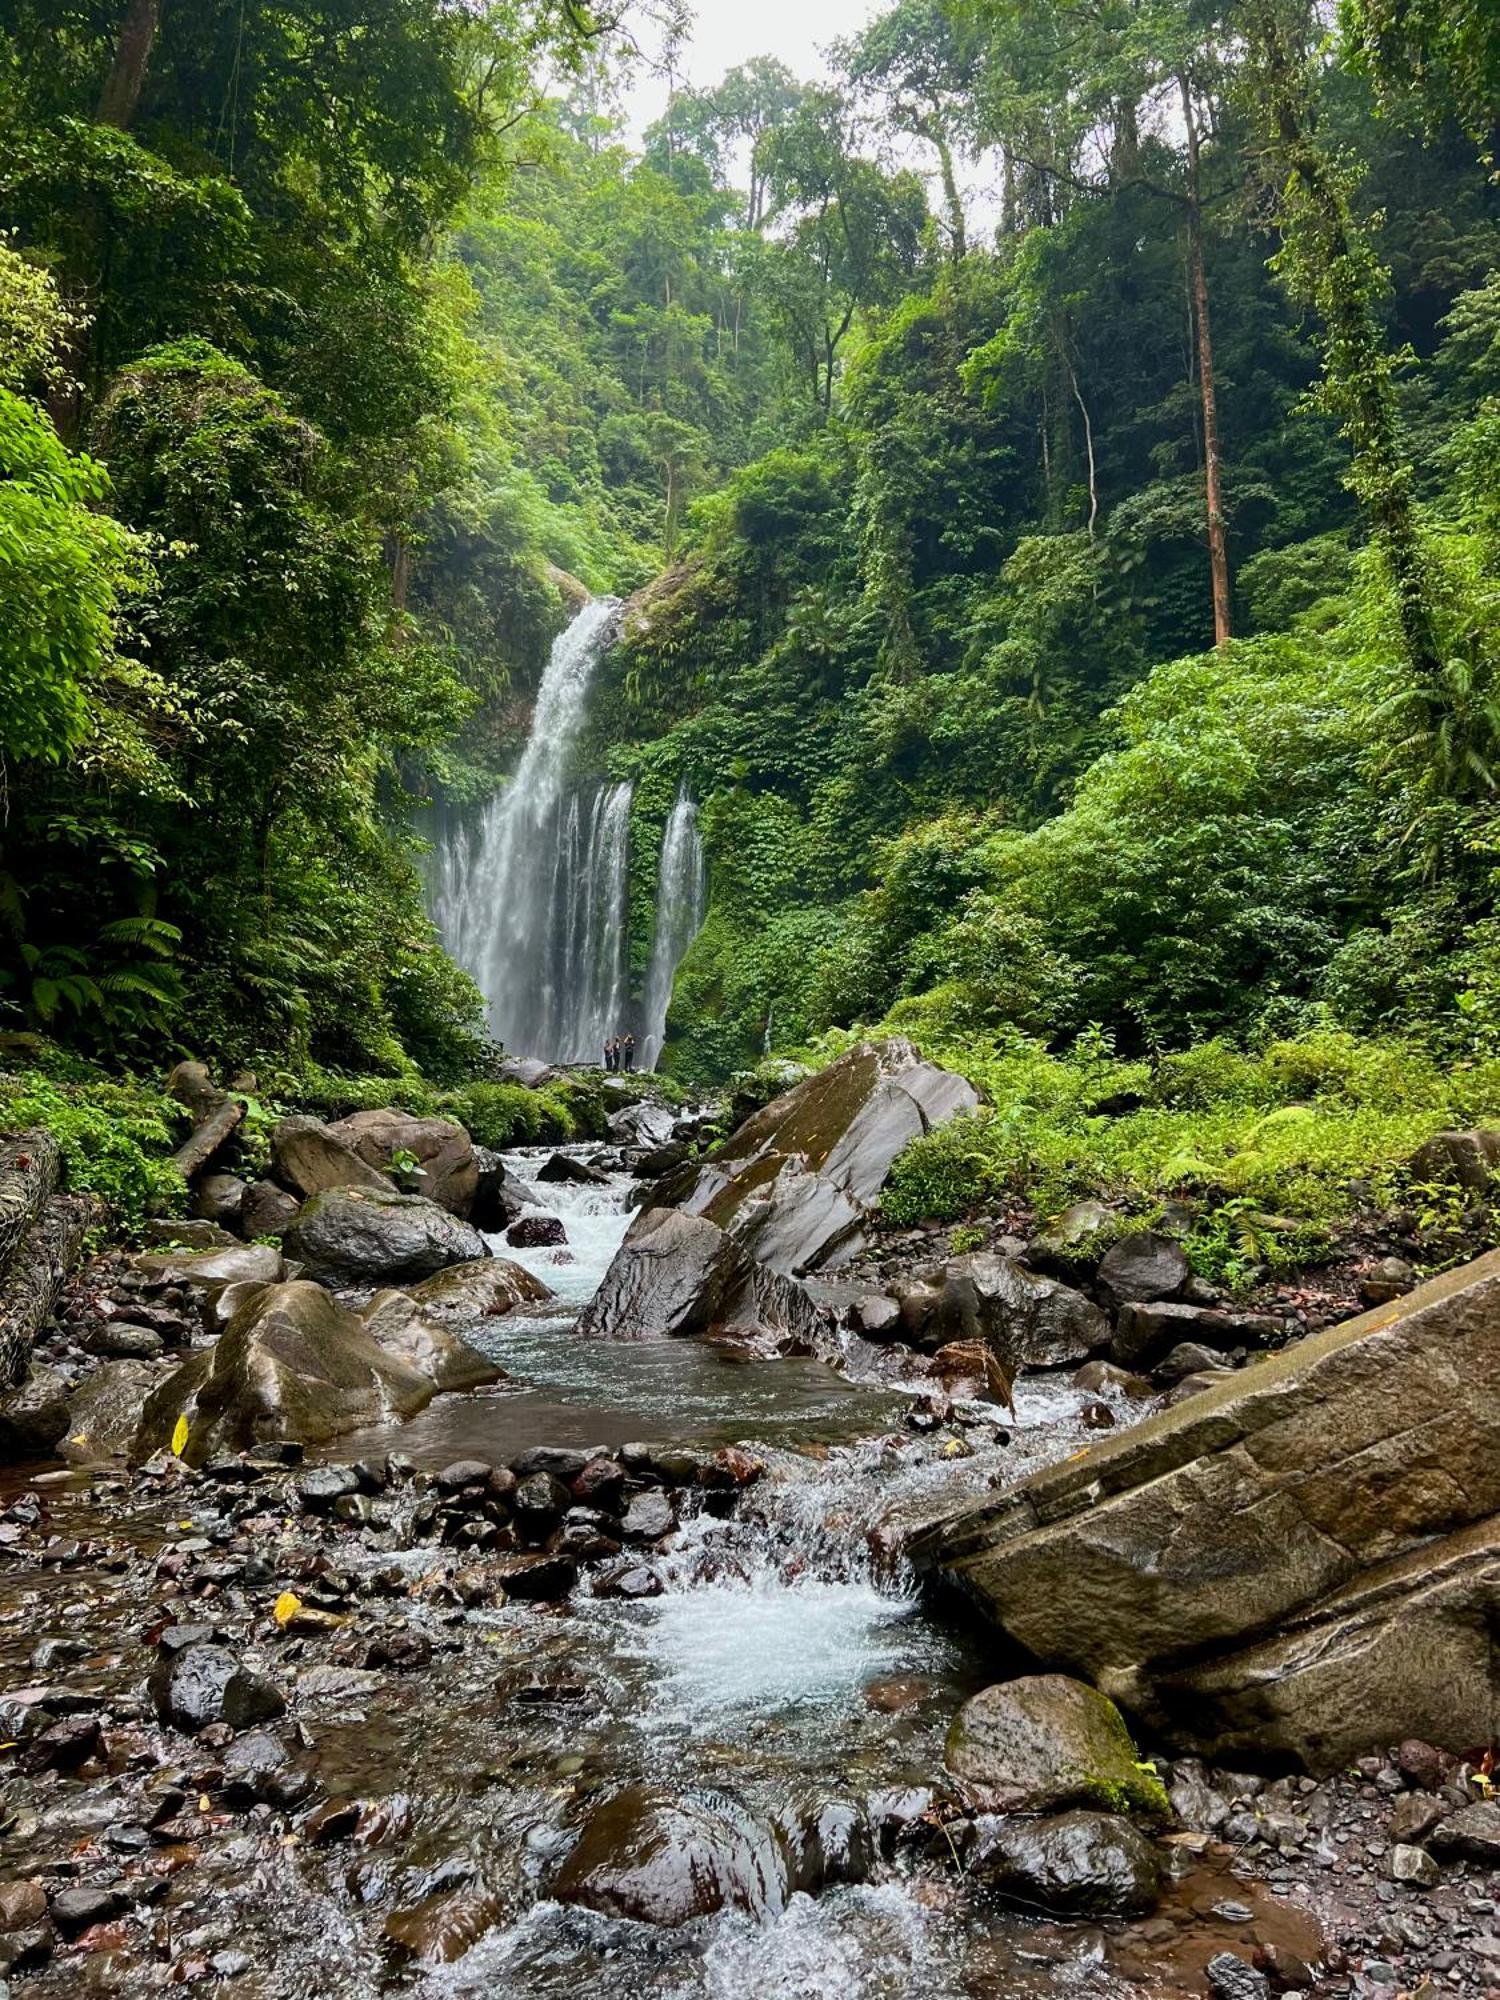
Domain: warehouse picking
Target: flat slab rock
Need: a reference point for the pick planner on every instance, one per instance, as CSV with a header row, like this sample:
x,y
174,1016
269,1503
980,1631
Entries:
x,y
1301,1555
796,1181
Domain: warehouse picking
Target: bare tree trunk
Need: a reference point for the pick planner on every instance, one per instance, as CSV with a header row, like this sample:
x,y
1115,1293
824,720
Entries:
x,y
122,87
957,234
1213,470
1088,445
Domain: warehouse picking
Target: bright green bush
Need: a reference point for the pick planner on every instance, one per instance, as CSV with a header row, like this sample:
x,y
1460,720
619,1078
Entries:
x,y
117,1138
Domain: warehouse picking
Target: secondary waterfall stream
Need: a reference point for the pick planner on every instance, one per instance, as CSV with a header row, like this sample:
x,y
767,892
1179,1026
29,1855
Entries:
x,y
532,898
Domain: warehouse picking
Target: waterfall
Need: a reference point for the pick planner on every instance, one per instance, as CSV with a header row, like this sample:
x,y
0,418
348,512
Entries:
x,y
680,897
532,901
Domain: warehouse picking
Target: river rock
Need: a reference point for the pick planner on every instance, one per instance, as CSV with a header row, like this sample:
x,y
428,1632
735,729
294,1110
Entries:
x,y
644,1124
310,1157
209,1271
567,1169
1472,1834
536,1232
1069,1238
371,1236
34,1417
396,1320
1077,1864
105,1413
797,1181
442,1149
1143,1267
663,1859
293,1363
267,1210
1467,1158
1027,1321
483,1289
204,1684
678,1274
1296,1562
220,1198
1037,1744
1145,1332
1231,1977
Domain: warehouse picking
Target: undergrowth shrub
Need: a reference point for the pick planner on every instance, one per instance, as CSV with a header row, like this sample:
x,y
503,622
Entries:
x,y
117,1138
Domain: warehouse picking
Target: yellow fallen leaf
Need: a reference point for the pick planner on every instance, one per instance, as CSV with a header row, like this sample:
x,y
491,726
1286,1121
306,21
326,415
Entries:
x,y
286,1607
203,1802
179,1436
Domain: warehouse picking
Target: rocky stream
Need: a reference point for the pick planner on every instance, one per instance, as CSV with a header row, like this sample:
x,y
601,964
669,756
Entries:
x,y
643,1662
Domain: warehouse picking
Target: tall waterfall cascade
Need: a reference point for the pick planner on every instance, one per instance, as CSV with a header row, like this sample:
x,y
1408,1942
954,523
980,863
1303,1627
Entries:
x,y
681,897
532,898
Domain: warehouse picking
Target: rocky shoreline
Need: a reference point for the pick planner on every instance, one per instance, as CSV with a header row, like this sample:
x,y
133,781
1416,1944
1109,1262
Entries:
x,y
241,1667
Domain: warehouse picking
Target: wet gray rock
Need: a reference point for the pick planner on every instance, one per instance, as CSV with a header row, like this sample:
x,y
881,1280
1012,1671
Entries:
x,y
369,1236
566,1168
1231,1977
663,1859
1096,1377
536,1232
1076,1864
34,1417
206,1684
220,1198
1388,1278
1187,1359
293,1363
481,1290
1413,1866
1143,1332
105,1413
1143,1267
677,1275
1025,1320
267,1210
1468,1159
323,1485
499,1198
648,1517
1036,1744
796,1182
1471,1835
209,1271
77,1909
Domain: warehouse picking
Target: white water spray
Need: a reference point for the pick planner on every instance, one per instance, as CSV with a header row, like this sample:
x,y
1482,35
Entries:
x,y
681,892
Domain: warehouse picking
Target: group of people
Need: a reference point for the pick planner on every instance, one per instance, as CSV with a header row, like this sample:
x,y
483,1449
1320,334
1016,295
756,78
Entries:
x,y
620,1053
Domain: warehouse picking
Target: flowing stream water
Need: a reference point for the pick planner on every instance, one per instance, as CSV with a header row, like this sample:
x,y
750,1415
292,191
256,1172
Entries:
x,y
532,897
787,1666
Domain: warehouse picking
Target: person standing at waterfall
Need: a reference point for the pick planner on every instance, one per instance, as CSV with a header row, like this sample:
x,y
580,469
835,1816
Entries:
x,y
609,1055
628,1050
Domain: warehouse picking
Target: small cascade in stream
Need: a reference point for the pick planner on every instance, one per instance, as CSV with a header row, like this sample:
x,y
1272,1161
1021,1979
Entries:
x,y
533,902
533,898
681,892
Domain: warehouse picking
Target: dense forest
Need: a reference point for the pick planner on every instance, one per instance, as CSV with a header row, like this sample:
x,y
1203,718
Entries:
x,y
1074,610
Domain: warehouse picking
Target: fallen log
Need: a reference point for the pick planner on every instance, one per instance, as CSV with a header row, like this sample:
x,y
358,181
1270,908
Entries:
x,y
216,1116
30,1168
40,1266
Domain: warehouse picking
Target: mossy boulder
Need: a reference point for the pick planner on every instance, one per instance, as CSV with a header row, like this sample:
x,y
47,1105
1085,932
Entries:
x,y
1046,1742
370,1236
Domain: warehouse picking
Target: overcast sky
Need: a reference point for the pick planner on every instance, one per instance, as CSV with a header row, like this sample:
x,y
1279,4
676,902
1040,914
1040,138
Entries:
x,y
727,32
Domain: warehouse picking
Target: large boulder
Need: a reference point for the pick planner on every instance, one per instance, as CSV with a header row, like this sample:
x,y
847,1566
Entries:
x,y
309,1157
1145,1332
660,1859
1027,1321
1045,1742
679,1274
293,1363
442,1149
105,1414
33,1417
373,1236
1303,1559
797,1181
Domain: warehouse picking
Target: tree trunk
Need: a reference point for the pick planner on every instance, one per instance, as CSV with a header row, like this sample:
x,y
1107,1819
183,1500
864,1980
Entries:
x,y
956,230
1213,472
122,87
1088,444
1338,274
41,1265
